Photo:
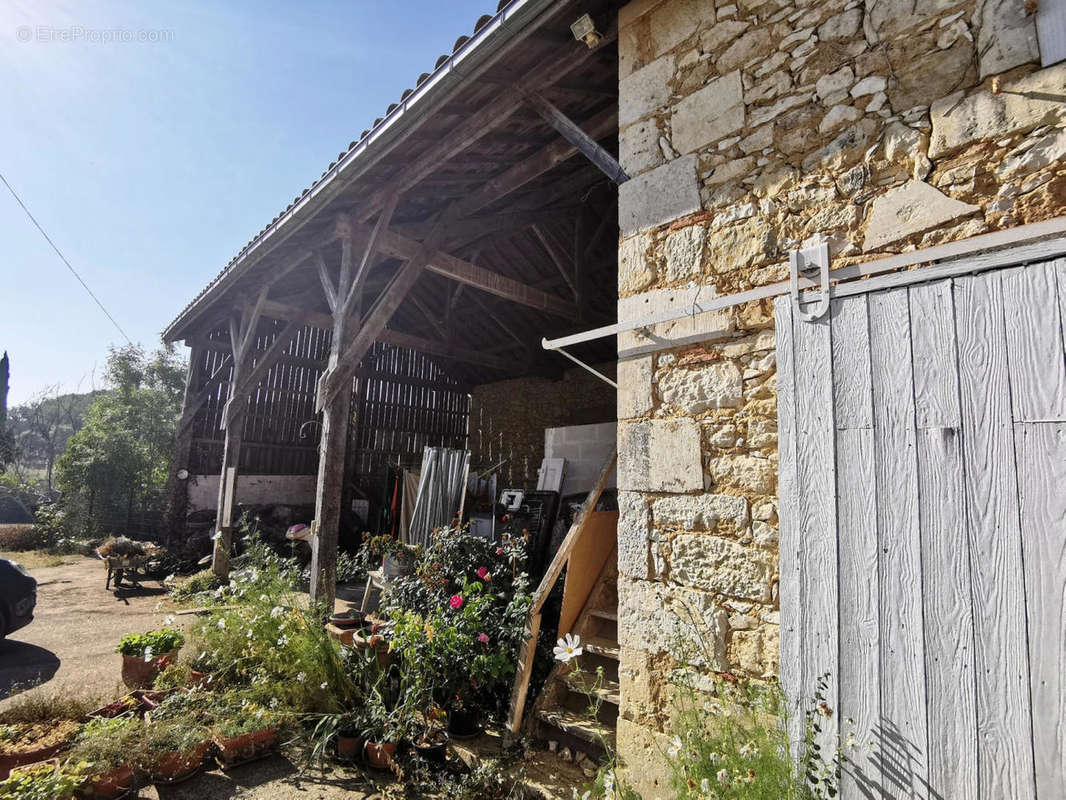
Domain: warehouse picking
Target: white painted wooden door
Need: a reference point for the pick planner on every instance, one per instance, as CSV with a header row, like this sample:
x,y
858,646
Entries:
x,y
923,532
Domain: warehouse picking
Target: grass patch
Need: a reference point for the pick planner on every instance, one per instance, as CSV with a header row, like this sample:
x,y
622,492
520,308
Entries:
x,y
36,559
20,536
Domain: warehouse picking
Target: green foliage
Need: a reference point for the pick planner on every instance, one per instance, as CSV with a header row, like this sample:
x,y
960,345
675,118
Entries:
x,y
258,636
106,744
119,459
42,782
178,734
153,643
242,712
458,622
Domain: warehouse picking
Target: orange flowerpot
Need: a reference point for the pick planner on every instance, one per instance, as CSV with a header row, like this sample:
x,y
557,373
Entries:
x,y
179,766
111,784
379,754
246,747
9,761
348,747
140,674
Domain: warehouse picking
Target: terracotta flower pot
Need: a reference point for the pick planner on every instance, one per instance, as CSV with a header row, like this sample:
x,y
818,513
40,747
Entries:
x,y
348,747
140,674
236,750
379,754
197,679
178,766
111,784
9,761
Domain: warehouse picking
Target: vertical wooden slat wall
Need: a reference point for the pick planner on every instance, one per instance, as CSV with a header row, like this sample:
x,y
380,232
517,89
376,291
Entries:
x,y
404,401
923,531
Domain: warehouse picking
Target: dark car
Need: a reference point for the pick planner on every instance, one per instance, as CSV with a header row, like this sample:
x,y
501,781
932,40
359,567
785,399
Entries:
x,y
18,596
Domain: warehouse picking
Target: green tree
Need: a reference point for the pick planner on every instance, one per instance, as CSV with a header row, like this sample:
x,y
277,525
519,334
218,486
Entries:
x,y
114,468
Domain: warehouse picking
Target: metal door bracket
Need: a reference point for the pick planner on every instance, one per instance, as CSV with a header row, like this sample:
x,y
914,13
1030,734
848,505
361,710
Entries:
x,y
811,263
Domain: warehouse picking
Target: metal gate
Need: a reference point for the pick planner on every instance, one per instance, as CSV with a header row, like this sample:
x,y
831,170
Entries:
x,y
923,531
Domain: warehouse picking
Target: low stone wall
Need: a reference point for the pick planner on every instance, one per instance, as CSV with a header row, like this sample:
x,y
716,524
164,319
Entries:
x,y
748,127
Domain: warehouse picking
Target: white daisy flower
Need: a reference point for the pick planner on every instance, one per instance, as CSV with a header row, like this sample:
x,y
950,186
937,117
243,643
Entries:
x,y
674,750
301,677
222,624
276,612
723,776
323,685
568,648
747,749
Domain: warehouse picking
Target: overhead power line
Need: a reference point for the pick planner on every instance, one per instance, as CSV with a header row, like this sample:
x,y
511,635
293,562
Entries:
x,y
63,258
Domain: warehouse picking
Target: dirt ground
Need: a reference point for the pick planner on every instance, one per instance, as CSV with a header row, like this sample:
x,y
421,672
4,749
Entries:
x,y
70,647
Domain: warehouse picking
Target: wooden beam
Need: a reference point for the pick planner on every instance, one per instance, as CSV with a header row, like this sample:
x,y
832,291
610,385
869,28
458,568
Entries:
x,y
535,165
342,368
573,133
477,125
445,350
188,414
558,259
382,225
399,246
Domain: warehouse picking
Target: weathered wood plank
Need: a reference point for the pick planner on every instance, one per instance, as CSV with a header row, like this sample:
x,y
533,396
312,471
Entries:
x,y
790,586
903,735
857,541
816,520
578,137
1034,344
948,615
1004,745
1041,451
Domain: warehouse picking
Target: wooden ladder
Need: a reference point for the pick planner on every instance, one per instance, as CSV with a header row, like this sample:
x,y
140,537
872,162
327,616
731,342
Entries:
x,y
577,707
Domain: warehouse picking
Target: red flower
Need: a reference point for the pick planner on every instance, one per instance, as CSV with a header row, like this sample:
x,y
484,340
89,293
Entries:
x,y
456,601
483,638
499,551
483,573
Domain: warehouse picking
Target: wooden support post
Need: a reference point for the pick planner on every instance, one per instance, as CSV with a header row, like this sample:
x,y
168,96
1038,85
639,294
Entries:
x,y
178,489
328,491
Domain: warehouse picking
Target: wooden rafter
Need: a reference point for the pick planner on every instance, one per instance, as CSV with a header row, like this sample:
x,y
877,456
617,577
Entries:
x,y
578,137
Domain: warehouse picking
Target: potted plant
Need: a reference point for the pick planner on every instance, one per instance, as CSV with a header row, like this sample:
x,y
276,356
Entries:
x,y
383,729
430,737
43,780
343,732
106,751
397,559
174,748
145,655
243,731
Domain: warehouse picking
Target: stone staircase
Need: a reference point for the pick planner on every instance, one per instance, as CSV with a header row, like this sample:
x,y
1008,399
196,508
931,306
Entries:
x,y
562,713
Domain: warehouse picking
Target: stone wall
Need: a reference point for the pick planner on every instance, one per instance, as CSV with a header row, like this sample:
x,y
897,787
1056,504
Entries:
x,y
748,127
508,419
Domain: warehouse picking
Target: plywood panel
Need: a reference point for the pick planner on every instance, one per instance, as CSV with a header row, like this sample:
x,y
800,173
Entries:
x,y
948,618
1004,746
1034,344
587,559
789,547
903,735
857,541
816,511
1041,452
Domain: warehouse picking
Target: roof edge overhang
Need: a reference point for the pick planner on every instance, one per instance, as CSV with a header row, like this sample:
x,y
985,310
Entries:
x,y
508,26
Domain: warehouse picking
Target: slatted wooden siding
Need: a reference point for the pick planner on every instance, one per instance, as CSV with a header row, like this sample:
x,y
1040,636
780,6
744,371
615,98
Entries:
x,y
923,531
403,401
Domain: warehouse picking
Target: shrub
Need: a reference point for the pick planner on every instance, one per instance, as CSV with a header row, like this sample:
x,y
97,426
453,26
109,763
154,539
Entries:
x,y
38,706
105,744
152,643
21,537
195,585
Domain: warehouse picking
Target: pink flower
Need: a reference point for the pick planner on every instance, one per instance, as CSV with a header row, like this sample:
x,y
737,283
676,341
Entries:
x,y
483,638
483,573
499,551
456,601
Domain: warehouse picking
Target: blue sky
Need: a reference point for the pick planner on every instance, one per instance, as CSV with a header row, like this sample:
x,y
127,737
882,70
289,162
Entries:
x,y
151,163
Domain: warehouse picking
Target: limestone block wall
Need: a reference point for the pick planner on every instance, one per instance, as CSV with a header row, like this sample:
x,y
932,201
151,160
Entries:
x,y
749,127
